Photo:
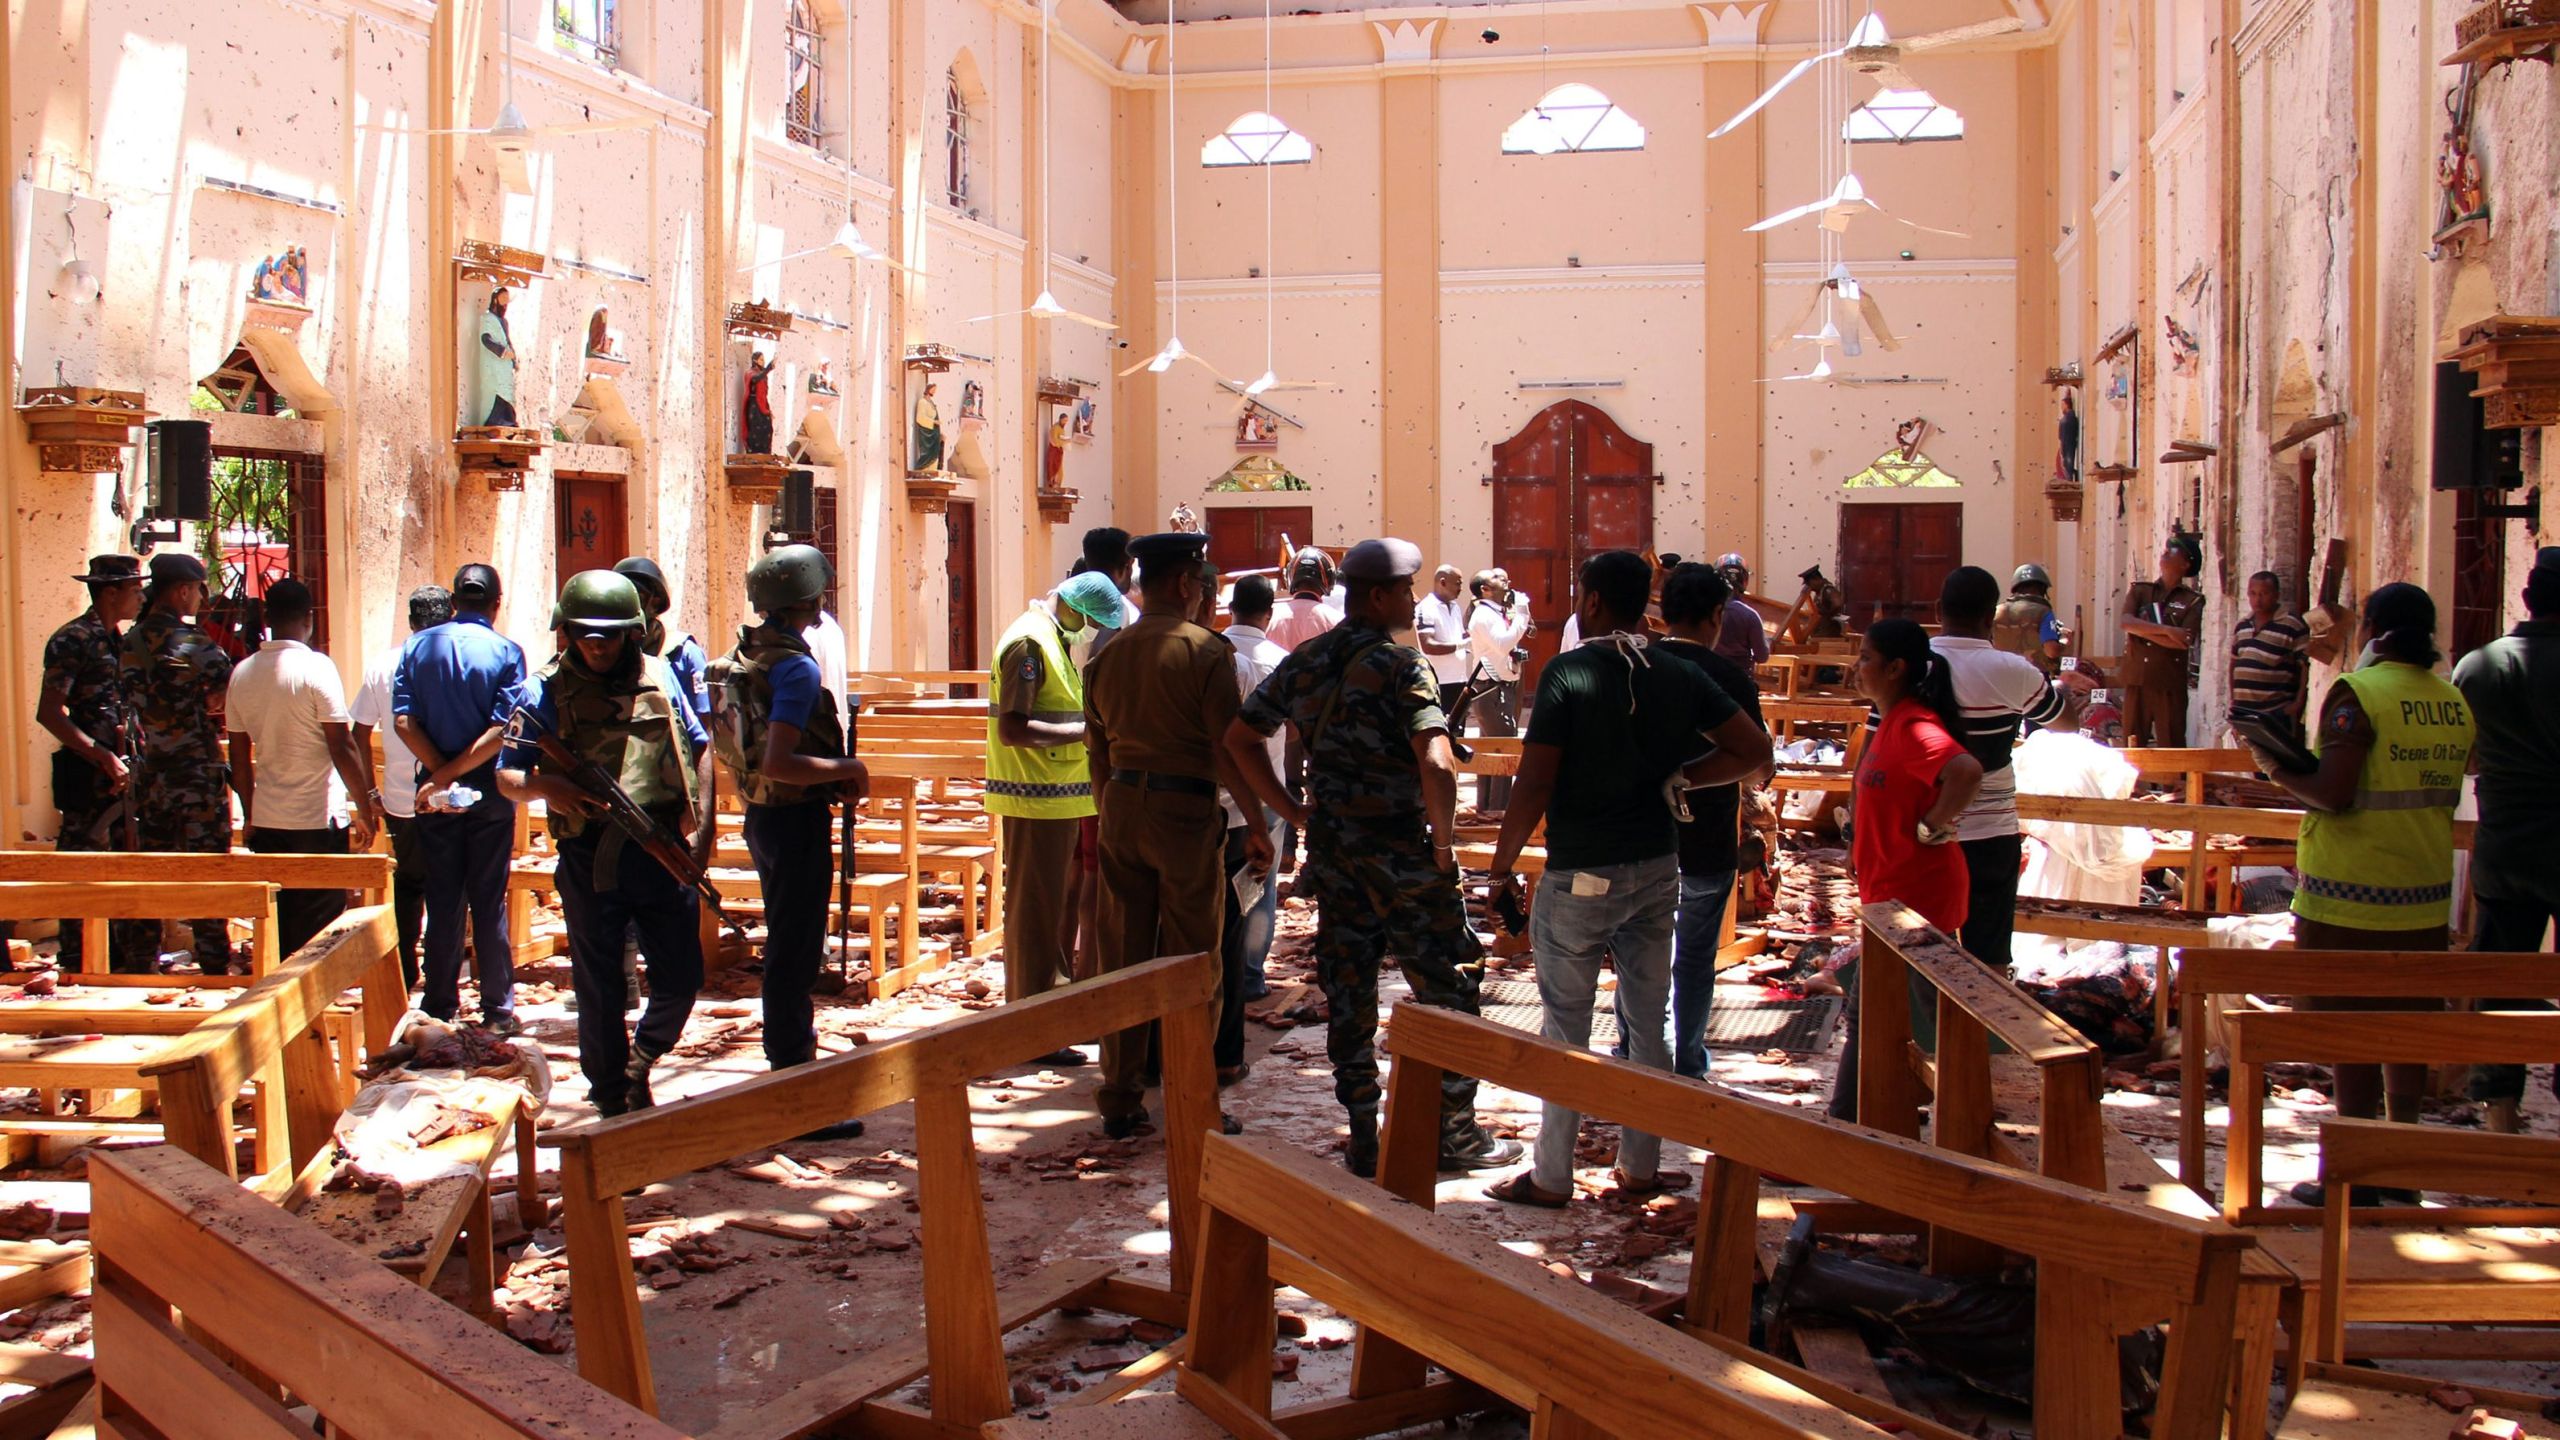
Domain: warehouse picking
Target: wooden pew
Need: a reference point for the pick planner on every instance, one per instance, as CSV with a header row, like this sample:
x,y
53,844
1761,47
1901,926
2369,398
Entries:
x,y
374,1355
95,902
2048,1069
1496,1321
2100,1257
368,874
965,1315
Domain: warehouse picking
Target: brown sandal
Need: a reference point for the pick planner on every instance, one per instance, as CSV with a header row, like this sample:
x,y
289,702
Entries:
x,y
1521,1190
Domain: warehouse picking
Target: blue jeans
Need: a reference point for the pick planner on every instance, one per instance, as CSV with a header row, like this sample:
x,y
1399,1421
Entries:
x,y
467,854
1703,899
1630,924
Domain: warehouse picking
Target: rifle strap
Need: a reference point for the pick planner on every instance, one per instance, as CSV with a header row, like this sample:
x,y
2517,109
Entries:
x,y
1332,702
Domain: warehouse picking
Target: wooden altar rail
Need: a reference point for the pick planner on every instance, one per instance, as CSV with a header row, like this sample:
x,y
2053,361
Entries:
x,y
95,903
965,1315
2096,1252
2209,977
374,1354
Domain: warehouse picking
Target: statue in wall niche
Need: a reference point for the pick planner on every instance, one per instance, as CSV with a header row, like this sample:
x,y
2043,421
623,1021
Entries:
x,y
973,403
2066,460
1053,454
603,341
494,397
927,458
755,421
1254,430
1081,429
2183,346
822,380
1184,520
282,278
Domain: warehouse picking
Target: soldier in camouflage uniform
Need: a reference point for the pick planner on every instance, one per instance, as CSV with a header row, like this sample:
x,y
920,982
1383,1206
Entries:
x,y
83,706
612,703
176,677
1380,826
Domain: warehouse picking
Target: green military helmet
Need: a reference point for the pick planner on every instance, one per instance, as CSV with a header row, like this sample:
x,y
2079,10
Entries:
x,y
597,601
2030,574
644,572
788,576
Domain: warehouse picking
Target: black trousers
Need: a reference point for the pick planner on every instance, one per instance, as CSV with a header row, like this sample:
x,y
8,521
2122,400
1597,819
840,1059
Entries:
x,y
1991,897
1228,1048
467,855
408,891
301,914
645,897
2513,924
789,844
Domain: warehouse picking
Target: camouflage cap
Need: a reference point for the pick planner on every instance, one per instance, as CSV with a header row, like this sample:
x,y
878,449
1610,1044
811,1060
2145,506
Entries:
x,y
1378,561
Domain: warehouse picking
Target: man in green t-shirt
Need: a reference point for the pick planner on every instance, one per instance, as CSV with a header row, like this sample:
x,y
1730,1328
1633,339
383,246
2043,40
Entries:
x,y
1617,719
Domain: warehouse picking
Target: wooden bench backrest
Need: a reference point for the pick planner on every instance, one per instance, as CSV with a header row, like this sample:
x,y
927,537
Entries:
x,y
375,1354
1549,1345
1975,1004
266,1033
2079,1237
307,872
2260,1038
94,903
601,1160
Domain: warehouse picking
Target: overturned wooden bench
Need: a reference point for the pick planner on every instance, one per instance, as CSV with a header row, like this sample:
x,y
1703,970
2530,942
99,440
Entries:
x,y
962,1348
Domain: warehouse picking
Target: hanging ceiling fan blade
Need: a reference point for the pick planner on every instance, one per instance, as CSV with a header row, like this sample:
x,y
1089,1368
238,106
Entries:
x,y
1787,216
1794,330
1961,34
599,127
407,130
1141,365
1080,318
1916,225
1893,77
1772,92
999,315
1873,314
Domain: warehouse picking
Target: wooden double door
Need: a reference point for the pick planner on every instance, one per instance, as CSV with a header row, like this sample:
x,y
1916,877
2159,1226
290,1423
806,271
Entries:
x,y
1248,537
1895,556
1568,486
592,516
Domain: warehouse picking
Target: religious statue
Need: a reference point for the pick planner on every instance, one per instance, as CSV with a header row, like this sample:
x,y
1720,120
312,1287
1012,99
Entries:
x,y
756,412
1081,431
281,279
1053,454
494,397
1254,432
822,380
928,435
2183,346
1184,520
973,403
2066,461
2458,176
603,342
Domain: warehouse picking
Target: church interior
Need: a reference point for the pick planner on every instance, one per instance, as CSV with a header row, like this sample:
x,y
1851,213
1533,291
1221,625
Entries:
x,y
333,300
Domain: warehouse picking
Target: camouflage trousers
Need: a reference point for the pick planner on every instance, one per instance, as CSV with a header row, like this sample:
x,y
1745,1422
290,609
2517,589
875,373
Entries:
x,y
1375,899
132,944
188,811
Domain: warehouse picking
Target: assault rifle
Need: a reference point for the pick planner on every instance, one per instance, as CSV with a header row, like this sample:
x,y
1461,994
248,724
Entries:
x,y
129,750
652,835
1480,683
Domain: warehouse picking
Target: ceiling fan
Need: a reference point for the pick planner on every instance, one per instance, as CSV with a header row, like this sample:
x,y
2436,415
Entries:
x,y
1871,51
1845,202
1174,352
1269,380
848,244
513,136
1821,371
1046,307
1863,311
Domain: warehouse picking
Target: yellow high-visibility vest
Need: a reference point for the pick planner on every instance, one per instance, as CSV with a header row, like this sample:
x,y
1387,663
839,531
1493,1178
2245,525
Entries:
x,y
2387,863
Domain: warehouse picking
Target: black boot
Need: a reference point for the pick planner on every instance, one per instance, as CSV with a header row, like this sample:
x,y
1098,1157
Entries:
x,y
635,1075
1361,1155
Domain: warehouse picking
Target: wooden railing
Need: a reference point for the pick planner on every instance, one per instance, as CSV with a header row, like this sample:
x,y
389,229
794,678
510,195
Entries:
x,y
965,1315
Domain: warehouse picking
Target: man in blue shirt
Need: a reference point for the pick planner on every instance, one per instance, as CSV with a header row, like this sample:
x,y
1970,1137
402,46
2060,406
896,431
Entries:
x,y
450,699
618,707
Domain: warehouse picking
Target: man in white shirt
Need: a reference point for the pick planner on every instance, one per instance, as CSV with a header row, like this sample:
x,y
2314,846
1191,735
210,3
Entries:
x,y
826,645
429,606
1497,627
1440,624
287,709
1247,941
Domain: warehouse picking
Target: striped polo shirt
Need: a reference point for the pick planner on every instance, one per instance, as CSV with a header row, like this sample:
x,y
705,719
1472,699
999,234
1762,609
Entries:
x,y
2267,661
1998,693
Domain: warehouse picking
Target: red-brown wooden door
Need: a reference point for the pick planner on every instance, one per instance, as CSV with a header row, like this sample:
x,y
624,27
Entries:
x,y
1570,485
594,524
1894,558
960,566
1247,537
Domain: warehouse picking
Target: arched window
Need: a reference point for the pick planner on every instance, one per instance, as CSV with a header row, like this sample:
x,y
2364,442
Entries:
x,y
804,74
1899,117
1572,118
1257,139
587,29
956,126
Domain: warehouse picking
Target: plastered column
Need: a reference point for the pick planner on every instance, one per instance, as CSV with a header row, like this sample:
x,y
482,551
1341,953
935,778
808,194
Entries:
x,y
1409,311
2033,235
1139,134
1731,490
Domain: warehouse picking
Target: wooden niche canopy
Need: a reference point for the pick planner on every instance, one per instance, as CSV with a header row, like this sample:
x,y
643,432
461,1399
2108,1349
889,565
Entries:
x,y
80,429
2516,361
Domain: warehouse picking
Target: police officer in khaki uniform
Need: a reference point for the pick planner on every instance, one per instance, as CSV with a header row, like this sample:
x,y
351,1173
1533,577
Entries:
x,y
611,702
1157,704
2162,619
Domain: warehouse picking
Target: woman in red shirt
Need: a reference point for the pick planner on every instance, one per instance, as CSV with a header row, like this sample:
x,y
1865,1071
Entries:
x,y
1912,783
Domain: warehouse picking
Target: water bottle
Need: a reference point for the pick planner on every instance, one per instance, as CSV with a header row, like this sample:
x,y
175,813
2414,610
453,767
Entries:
x,y
457,797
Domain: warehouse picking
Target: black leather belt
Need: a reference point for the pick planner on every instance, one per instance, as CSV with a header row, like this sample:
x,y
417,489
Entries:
x,y
1177,784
